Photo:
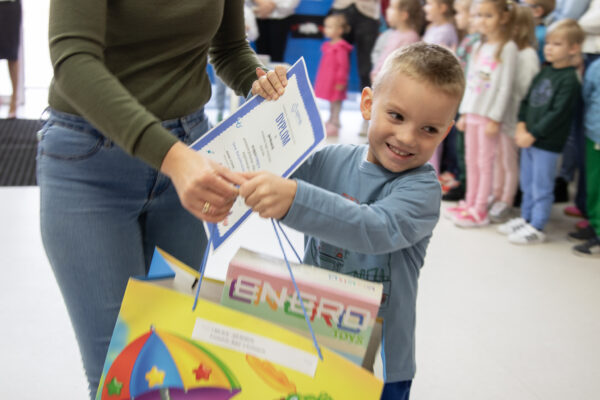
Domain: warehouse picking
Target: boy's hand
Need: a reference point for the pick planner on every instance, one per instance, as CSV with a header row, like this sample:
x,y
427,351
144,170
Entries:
x,y
269,195
461,124
492,128
524,139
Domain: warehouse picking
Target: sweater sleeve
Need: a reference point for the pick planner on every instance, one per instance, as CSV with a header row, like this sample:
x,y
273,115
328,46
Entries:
x,y
77,40
343,70
399,220
504,84
590,21
234,61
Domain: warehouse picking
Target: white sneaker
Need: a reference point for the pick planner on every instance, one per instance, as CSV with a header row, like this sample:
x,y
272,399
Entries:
x,y
527,235
512,226
499,212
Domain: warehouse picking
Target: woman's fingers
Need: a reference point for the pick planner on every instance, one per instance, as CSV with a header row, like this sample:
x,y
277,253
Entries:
x,y
270,85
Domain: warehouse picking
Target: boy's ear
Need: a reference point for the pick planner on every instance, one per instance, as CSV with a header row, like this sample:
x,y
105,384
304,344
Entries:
x,y
575,49
366,103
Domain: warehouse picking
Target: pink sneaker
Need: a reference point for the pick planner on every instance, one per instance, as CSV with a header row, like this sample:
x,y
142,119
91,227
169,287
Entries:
x,y
452,212
583,224
471,219
573,211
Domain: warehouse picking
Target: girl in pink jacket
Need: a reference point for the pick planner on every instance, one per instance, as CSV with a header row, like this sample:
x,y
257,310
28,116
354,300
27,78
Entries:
x,y
332,76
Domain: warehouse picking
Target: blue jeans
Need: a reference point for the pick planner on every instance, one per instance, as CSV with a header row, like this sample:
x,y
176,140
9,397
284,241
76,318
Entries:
x,y
538,169
102,214
396,390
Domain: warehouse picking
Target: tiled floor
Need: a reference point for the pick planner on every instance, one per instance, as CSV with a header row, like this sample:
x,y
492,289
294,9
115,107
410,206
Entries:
x,y
495,320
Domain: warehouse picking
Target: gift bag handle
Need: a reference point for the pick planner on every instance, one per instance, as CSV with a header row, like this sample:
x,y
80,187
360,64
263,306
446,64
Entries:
x,y
211,228
287,263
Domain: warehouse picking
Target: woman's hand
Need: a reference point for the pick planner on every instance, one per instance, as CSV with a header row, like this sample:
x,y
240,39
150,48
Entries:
x,y
205,188
270,85
269,195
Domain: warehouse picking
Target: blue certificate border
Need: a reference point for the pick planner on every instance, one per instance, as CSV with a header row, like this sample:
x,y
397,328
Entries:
x,y
307,97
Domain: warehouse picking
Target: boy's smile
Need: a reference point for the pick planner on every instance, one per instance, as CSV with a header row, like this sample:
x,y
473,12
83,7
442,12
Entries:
x,y
408,120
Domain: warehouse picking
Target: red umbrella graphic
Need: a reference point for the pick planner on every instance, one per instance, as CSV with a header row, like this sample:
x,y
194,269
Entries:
x,y
162,366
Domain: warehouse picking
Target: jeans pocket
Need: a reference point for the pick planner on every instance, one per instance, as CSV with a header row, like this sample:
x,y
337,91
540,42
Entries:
x,y
68,143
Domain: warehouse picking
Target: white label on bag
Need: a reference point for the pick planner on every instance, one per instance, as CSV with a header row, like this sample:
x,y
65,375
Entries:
x,y
255,345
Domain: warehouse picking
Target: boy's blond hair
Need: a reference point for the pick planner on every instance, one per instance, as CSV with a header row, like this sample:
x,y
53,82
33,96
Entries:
x,y
567,28
524,31
427,63
547,5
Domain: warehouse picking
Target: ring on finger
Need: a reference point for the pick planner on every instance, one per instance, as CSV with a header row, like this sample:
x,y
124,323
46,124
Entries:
x,y
206,207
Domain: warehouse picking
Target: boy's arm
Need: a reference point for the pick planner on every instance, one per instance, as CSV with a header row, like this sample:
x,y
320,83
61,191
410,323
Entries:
x,y
404,217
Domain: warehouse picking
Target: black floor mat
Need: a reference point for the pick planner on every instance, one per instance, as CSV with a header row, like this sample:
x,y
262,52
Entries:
x,y
18,146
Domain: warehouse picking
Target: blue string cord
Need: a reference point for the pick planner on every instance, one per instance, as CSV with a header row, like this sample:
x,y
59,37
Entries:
x,y
287,263
289,242
211,228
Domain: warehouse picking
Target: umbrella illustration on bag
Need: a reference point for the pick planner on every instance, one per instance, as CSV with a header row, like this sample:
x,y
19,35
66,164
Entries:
x,y
163,366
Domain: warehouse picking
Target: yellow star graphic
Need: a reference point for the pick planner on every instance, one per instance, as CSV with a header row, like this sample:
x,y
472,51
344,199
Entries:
x,y
155,377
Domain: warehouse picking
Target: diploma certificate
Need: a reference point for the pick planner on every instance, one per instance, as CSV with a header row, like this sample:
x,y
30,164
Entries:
x,y
275,136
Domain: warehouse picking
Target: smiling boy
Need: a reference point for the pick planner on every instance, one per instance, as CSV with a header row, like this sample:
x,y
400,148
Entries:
x,y
369,210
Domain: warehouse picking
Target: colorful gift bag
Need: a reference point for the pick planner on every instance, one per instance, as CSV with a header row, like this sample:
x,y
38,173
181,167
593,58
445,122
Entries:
x,y
164,348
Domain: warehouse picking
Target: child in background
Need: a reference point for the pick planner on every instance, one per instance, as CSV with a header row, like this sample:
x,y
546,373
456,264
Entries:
x,y
373,207
541,10
441,31
591,98
490,75
405,19
331,82
506,169
454,186
545,119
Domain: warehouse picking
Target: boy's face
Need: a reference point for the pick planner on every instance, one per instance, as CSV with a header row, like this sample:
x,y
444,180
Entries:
x,y
558,51
408,121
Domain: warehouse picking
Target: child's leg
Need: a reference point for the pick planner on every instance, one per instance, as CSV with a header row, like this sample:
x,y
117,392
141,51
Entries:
x,y
335,107
593,186
471,145
499,174
510,166
526,177
485,163
396,390
544,172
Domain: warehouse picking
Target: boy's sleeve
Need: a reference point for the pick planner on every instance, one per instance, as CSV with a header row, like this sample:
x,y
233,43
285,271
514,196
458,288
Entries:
x,y
523,108
564,99
404,217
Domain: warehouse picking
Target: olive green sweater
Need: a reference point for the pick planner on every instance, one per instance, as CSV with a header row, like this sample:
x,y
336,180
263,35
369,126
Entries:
x,y
127,65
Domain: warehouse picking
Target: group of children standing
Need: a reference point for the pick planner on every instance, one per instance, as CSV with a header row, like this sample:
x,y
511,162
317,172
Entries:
x,y
523,83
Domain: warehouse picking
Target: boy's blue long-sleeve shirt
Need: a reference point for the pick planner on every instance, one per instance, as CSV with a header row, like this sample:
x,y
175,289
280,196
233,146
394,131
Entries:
x,y
591,98
362,220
